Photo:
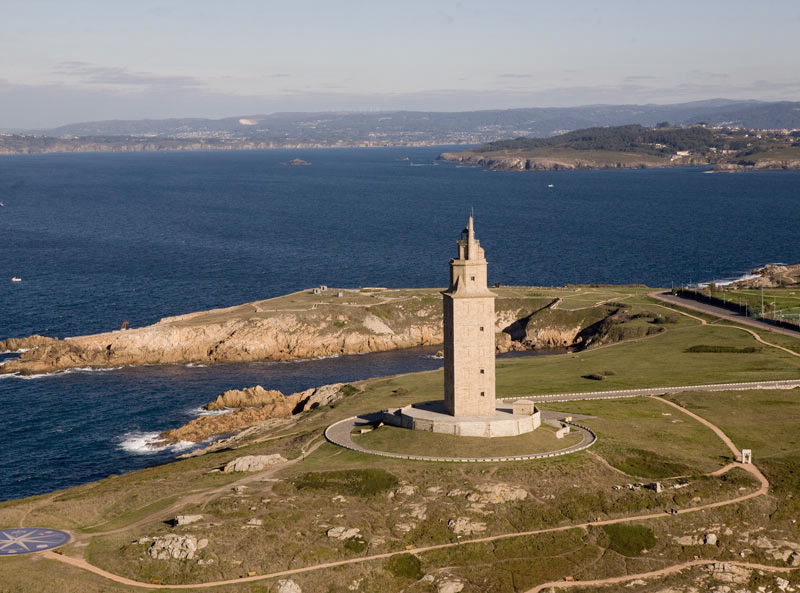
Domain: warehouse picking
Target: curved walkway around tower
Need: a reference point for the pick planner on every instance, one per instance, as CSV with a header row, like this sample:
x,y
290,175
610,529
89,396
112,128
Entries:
x,y
341,433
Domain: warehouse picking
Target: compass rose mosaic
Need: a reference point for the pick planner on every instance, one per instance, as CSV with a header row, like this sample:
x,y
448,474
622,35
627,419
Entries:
x,y
27,540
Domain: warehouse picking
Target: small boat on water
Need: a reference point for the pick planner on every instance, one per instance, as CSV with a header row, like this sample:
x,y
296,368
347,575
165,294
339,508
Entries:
x,y
16,279
550,185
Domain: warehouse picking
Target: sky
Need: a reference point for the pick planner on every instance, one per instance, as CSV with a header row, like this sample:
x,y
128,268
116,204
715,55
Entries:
x,y
68,61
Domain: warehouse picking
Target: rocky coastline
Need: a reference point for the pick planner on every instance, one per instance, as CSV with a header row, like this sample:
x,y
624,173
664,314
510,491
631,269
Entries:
x,y
304,325
494,162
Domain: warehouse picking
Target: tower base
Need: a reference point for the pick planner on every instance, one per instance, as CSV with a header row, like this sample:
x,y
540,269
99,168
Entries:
x,y
431,416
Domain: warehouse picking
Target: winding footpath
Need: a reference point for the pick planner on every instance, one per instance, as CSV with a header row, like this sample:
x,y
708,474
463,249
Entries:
x,y
82,564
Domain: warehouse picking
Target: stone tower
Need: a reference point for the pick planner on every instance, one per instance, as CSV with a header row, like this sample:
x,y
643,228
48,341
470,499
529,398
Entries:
x,y
469,347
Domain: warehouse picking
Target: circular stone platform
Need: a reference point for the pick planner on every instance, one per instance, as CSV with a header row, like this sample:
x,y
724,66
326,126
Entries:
x,y
431,416
341,434
24,540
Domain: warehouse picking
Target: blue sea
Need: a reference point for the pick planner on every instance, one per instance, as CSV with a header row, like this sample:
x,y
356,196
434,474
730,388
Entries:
x,y
99,239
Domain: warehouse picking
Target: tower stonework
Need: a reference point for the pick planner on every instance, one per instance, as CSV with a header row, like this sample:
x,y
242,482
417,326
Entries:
x,y
469,347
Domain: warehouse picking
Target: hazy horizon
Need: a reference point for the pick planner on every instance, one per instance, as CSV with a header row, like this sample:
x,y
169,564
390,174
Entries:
x,y
89,60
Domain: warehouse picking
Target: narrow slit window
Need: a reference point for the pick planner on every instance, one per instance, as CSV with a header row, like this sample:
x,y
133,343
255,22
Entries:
x,y
483,393
482,372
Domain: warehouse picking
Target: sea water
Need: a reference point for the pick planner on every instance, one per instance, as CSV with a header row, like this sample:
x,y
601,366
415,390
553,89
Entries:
x,y
99,239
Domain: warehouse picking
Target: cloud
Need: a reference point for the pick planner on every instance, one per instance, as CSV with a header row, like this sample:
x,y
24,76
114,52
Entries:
x,y
91,74
45,106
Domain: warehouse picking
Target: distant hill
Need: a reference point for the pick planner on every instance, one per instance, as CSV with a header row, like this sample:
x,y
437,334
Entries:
x,y
635,146
389,128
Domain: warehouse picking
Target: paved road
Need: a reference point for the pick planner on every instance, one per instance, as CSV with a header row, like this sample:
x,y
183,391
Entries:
x,y
722,313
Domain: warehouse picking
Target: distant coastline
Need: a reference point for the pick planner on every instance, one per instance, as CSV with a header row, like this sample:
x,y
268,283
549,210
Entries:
x,y
637,147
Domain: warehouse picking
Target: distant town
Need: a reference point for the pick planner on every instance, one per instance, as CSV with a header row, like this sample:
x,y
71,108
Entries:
x,y
395,128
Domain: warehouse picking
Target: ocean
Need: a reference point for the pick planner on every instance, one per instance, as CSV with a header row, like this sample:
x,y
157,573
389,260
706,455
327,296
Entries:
x,y
99,239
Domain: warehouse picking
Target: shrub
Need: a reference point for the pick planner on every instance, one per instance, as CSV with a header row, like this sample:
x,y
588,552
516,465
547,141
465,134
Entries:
x,y
718,348
355,482
405,566
348,390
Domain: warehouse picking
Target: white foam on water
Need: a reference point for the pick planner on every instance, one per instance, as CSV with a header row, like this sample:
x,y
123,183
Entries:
x,y
64,372
193,365
204,412
147,443
20,351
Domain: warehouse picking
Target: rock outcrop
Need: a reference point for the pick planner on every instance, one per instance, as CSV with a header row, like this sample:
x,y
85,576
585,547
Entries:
x,y
771,276
267,405
466,526
253,463
178,547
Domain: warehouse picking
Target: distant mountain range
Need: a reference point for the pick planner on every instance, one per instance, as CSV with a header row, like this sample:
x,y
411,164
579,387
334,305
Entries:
x,y
390,128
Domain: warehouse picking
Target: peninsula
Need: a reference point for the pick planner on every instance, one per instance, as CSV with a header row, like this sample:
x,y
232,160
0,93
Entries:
x,y
638,147
309,324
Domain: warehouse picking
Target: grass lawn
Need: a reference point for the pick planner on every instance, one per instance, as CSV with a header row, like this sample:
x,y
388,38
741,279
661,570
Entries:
x,y
417,442
646,438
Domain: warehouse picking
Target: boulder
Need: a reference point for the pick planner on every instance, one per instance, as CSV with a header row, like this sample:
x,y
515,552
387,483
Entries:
x,y
497,493
253,463
449,585
794,559
343,533
287,586
251,397
174,546
465,526
406,490
710,539
187,519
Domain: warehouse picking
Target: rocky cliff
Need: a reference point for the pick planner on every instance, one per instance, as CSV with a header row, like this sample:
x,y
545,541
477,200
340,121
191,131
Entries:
x,y
297,326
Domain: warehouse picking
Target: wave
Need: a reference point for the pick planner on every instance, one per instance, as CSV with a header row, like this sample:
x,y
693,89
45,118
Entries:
x,y
20,351
434,357
195,365
148,443
204,412
64,372
728,281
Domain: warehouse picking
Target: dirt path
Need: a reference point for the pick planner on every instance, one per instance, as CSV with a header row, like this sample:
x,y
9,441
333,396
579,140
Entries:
x,y
82,564
655,573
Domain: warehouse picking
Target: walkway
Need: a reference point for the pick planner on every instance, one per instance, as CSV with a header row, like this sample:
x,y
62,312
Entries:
x,y
722,313
341,433
622,393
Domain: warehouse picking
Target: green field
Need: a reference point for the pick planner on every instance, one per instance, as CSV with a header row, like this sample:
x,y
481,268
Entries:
x,y
282,519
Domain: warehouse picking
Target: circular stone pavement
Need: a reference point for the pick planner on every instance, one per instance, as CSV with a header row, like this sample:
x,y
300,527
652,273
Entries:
x,y
26,540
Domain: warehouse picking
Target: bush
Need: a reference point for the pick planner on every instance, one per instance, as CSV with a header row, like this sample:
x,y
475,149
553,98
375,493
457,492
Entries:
x,y
348,390
405,566
629,540
717,348
355,482
595,377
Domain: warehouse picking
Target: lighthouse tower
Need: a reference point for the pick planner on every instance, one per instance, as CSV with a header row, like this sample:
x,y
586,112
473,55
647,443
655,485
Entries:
x,y
469,349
